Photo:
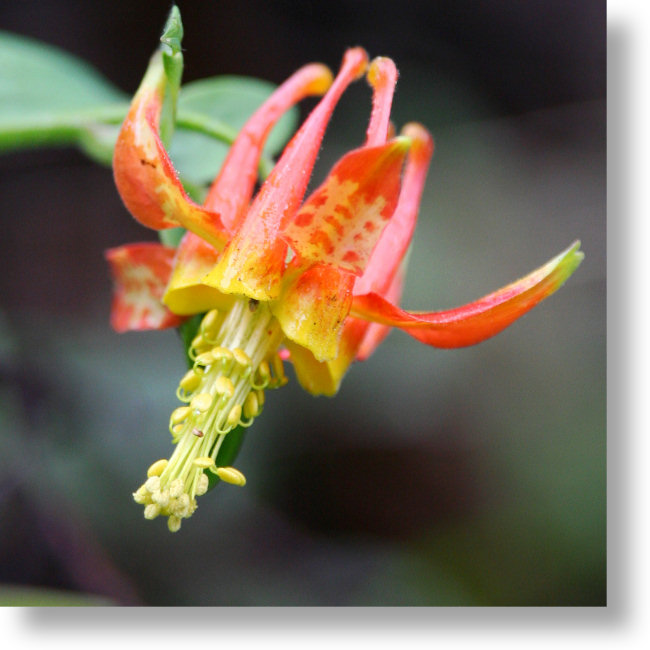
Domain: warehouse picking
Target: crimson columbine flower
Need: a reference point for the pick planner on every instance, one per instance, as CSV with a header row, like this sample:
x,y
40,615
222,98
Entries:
x,y
313,281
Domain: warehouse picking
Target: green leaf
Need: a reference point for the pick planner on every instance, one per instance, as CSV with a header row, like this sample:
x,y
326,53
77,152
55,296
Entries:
x,y
47,95
220,103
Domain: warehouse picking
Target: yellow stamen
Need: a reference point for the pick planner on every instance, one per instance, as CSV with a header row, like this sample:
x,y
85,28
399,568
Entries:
x,y
231,475
203,462
157,468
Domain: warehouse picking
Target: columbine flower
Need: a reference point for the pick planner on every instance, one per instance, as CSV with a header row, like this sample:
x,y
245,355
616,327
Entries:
x,y
315,282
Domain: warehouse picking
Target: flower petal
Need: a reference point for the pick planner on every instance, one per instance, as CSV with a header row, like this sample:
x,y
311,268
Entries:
x,y
343,219
144,175
232,190
312,308
386,268
382,76
186,294
140,273
324,377
253,262
479,320
396,238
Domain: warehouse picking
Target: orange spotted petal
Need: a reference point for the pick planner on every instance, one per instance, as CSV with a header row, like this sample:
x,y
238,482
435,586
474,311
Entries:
x,y
140,274
253,262
479,320
144,175
396,238
343,219
313,306
324,377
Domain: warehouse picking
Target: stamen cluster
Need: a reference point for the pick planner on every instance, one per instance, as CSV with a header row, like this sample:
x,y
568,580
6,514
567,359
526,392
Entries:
x,y
235,360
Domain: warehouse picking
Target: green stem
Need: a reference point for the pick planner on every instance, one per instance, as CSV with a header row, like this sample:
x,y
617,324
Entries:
x,y
73,128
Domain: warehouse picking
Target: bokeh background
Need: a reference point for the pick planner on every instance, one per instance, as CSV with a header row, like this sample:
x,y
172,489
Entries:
x,y
435,477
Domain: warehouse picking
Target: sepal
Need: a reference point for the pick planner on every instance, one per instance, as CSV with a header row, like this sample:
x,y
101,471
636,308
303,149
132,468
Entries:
x,y
478,320
140,274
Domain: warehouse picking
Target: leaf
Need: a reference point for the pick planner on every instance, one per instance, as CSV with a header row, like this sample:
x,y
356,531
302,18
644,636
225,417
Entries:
x,y
224,102
47,94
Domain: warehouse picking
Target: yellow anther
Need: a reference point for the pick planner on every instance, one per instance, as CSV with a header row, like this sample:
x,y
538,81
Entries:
x,y
260,397
231,475
157,468
161,498
176,488
151,511
176,431
179,414
210,322
204,359
234,416
189,382
221,354
224,386
251,405
241,358
142,495
202,485
203,462
197,341
181,507
201,402
278,367
173,523
264,373
152,484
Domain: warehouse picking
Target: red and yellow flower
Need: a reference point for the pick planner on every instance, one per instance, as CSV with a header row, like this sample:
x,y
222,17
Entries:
x,y
315,281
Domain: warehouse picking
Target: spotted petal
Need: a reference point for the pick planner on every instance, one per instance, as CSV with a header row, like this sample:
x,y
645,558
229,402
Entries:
x,y
343,219
140,274
478,320
253,262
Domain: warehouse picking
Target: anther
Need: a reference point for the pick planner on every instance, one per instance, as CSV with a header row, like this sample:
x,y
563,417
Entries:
x,y
241,358
204,359
202,485
221,354
142,495
151,511
157,468
161,498
173,523
189,383
176,488
201,402
152,484
234,416
209,322
264,373
203,462
231,475
179,414
181,507
251,405
278,371
224,386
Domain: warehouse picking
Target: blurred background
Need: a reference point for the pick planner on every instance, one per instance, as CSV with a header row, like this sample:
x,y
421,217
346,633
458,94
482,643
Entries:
x,y
435,477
